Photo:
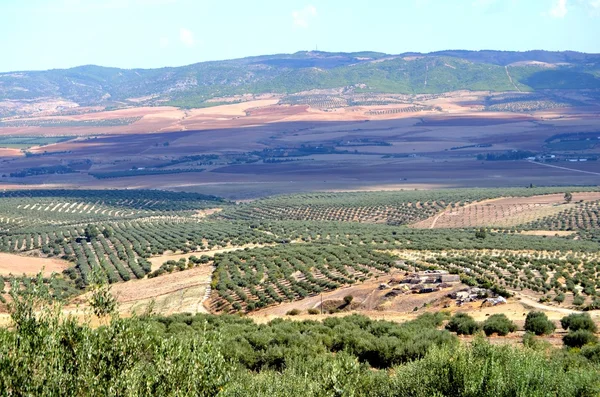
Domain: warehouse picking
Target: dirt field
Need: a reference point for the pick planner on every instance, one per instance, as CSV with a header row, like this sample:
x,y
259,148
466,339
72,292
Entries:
x,y
547,233
18,265
503,212
157,261
172,293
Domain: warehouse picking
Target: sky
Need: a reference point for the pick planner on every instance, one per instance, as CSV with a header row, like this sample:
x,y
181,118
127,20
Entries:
x,y
47,34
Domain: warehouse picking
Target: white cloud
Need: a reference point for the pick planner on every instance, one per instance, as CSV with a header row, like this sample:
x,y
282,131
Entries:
x,y
186,37
303,17
559,9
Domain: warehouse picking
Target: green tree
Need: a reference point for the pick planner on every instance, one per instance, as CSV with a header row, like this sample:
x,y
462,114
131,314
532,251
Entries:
x,y
577,321
498,324
462,324
579,338
538,323
91,232
102,301
481,233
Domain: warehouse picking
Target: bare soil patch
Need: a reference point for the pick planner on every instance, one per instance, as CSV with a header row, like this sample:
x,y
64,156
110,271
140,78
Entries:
x,y
18,265
548,233
11,152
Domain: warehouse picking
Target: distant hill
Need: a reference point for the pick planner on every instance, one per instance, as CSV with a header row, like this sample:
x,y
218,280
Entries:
x,y
411,73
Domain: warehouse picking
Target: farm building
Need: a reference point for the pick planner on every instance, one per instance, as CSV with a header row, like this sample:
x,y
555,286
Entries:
x,y
431,277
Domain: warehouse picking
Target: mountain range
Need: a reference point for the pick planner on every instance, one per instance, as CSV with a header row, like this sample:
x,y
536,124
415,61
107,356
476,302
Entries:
x,y
368,72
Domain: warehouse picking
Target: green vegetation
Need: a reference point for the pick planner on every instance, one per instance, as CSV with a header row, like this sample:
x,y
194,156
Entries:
x,y
498,324
110,235
69,123
394,208
580,338
462,324
25,142
538,323
47,354
583,216
575,322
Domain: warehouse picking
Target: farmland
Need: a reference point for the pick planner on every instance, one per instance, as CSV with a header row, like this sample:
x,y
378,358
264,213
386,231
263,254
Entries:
x,y
326,256
317,225
287,248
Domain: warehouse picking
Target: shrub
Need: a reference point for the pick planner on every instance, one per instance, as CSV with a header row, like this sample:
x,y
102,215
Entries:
x,y
313,311
348,299
592,353
498,324
578,300
462,324
538,323
579,338
293,312
575,322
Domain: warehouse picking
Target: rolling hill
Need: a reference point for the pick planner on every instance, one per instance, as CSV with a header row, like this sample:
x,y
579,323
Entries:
x,y
410,73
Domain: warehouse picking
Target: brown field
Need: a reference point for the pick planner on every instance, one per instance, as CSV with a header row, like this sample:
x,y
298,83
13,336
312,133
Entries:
x,y
18,265
421,148
547,233
172,293
503,212
11,152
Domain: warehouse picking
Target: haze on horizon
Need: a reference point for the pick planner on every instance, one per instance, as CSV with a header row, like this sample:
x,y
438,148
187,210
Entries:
x,y
47,34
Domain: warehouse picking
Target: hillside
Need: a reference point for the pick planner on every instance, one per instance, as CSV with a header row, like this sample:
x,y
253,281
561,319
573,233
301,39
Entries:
x,y
411,73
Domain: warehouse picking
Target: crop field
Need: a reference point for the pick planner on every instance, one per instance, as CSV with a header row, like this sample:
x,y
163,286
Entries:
x,y
505,212
449,208
579,216
25,142
245,281
286,248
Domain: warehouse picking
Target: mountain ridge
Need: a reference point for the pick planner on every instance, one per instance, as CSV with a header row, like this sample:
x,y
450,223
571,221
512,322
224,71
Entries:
x,y
369,72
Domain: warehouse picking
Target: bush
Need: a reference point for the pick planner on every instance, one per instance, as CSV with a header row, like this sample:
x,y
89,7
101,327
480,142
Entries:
x,y
579,338
348,299
575,322
592,353
313,311
462,324
538,323
498,324
578,300
532,342
293,312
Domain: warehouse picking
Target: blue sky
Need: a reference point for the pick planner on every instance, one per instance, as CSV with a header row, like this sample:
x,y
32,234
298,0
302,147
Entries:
x,y
43,34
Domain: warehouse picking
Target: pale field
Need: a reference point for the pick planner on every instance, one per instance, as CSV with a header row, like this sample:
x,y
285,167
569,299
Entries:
x,y
11,152
236,109
177,292
207,212
158,261
547,233
18,265
504,212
